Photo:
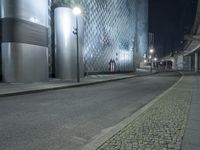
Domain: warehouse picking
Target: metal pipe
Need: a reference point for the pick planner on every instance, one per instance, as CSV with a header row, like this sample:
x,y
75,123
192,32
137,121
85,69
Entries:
x,y
77,44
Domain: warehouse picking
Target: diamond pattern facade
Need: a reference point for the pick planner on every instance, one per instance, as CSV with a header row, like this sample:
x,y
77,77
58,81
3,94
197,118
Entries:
x,y
111,31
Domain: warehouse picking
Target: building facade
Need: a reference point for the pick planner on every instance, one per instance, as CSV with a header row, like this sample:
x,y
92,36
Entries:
x,y
114,33
114,30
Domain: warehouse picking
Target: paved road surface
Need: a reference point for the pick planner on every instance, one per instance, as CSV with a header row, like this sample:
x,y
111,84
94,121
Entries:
x,y
68,119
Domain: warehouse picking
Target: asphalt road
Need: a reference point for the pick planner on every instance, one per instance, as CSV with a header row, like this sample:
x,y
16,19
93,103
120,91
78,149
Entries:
x,y
68,119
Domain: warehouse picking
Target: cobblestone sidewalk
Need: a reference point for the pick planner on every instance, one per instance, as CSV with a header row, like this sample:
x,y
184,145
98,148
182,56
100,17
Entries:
x,y
160,127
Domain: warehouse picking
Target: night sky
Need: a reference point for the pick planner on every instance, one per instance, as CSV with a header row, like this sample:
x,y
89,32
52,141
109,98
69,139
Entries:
x,y
169,20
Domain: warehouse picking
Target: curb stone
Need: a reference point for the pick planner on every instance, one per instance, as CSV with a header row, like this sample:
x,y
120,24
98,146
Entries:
x,y
110,132
64,86
73,85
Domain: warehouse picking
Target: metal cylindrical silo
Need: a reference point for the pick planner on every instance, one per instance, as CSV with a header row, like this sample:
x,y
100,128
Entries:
x,y
65,43
24,42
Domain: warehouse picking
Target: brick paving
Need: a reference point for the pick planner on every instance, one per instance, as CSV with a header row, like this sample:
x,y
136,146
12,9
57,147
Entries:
x,y
162,126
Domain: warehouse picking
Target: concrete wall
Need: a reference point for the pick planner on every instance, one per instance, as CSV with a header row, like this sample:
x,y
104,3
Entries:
x,y
179,62
199,62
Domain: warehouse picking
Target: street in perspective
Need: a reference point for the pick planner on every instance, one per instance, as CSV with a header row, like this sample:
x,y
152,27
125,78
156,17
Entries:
x,y
99,75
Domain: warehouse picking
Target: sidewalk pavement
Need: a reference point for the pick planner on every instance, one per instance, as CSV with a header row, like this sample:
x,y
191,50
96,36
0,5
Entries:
x,y
191,140
9,89
161,124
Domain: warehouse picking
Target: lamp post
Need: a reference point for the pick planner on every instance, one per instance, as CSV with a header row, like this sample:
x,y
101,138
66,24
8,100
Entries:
x,y
150,57
155,62
77,12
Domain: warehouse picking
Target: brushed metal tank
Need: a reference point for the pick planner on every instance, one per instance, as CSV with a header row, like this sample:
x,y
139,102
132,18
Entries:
x,y
30,10
65,44
24,61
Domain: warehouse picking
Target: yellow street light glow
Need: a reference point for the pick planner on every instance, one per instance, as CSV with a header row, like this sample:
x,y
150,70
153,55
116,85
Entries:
x,y
77,11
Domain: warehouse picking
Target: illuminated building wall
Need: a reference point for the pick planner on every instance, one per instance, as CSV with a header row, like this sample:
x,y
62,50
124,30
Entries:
x,y
114,29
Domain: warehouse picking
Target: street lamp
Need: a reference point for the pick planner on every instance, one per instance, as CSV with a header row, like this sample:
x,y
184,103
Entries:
x,y
77,12
150,57
155,61
152,51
